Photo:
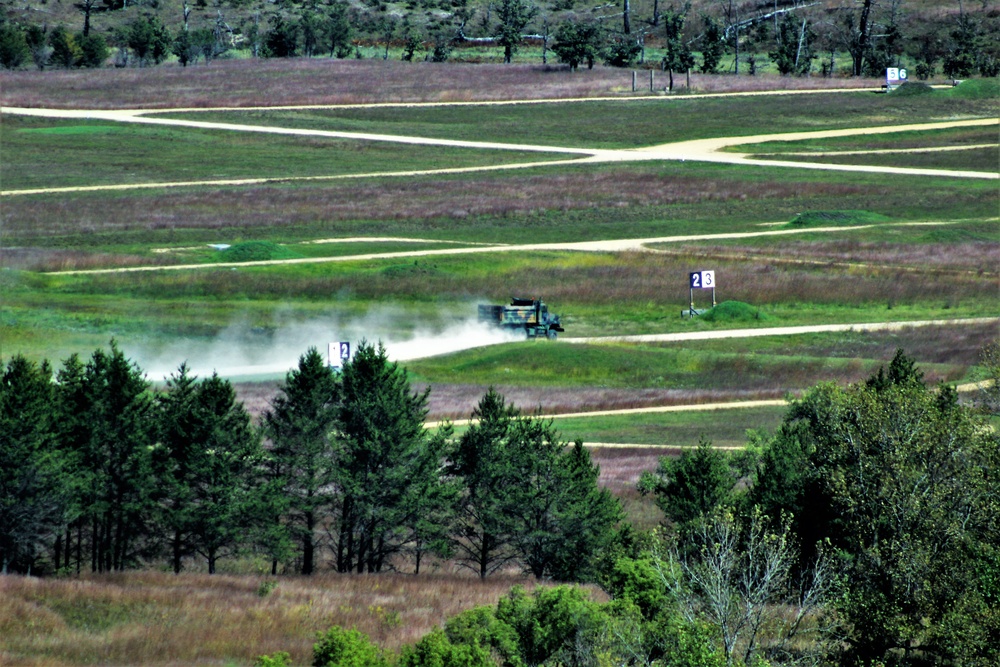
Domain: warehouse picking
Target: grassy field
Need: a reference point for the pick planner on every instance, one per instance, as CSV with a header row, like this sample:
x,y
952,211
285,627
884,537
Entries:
x,y
636,122
43,152
874,266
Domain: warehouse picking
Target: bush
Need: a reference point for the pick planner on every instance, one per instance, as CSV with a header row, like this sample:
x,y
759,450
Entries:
x,y
279,659
436,650
346,648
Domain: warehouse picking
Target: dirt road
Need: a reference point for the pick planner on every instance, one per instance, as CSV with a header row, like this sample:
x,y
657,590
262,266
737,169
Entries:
x,y
704,150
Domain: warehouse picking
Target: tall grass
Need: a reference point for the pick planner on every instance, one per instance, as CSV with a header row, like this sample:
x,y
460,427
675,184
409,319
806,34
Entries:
x,y
154,618
579,203
322,81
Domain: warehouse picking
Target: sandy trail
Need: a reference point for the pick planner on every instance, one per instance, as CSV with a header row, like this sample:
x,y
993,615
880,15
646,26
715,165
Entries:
x,y
704,150
778,331
606,245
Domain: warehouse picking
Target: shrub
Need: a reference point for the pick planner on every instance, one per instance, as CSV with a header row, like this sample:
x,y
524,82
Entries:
x,y
338,647
279,659
436,650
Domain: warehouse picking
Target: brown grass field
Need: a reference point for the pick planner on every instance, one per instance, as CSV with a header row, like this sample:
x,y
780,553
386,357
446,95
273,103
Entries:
x,y
155,618
278,82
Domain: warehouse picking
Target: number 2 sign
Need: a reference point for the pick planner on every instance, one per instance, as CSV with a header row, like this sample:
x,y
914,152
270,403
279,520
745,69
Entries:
x,y
702,279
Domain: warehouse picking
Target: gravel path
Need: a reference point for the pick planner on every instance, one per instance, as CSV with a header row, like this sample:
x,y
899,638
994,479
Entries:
x,y
703,150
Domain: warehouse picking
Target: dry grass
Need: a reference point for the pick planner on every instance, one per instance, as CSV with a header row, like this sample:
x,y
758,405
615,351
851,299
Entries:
x,y
322,81
392,201
980,258
154,618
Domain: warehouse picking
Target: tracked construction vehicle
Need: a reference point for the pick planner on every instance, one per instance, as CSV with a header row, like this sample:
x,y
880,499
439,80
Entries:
x,y
530,316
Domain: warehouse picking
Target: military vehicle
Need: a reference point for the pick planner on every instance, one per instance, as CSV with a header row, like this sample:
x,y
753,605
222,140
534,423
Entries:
x,y
530,316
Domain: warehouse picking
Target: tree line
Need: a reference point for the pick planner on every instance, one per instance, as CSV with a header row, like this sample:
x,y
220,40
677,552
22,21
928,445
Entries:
x,y
796,37
862,532
101,472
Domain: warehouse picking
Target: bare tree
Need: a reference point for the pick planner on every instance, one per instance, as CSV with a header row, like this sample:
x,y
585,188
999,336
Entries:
x,y
739,576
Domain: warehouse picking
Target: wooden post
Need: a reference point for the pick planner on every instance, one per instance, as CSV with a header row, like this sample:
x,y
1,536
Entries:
x,y
650,80
633,81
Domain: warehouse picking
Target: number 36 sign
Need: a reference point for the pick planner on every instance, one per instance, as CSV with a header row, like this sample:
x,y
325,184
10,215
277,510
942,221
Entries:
x,y
702,279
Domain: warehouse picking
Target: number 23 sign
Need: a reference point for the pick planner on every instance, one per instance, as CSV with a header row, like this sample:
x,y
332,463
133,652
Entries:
x,y
702,279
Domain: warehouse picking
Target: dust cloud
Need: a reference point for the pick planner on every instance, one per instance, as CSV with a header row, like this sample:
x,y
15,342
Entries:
x,y
247,352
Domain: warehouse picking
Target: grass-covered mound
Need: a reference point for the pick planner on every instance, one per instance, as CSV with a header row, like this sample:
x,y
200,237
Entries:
x,y
976,89
733,311
256,251
911,89
836,218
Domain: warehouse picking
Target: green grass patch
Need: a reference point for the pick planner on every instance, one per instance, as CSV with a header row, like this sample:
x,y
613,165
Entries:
x,y
73,129
256,251
912,89
973,159
956,136
734,311
55,153
725,428
836,218
622,366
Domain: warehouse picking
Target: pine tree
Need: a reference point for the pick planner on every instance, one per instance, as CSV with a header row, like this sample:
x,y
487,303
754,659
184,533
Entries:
x,y
31,497
302,462
389,465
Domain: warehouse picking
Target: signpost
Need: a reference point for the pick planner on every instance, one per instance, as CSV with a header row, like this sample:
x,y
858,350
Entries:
x,y
338,354
700,280
894,76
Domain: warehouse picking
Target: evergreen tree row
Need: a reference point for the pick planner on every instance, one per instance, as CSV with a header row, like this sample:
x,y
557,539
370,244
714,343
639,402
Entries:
x,y
101,472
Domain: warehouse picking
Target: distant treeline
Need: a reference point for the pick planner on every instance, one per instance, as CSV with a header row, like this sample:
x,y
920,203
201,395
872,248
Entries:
x,y
792,37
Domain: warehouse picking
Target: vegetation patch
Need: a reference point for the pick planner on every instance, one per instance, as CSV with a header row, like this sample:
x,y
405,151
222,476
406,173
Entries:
x,y
410,270
256,251
734,311
913,88
836,218
72,129
977,89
